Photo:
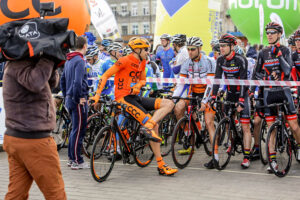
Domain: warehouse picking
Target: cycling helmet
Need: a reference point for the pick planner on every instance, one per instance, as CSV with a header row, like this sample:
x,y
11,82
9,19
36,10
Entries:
x,y
165,36
92,50
106,42
179,38
126,51
214,42
239,50
274,25
115,46
291,40
138,42
216,48
297,34
194,41
228,38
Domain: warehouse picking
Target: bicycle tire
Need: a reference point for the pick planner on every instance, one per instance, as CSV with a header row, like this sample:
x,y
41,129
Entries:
x,y
166,127
281,148
225,144
61,131
181,161
94,124
103,154
262,143
142,152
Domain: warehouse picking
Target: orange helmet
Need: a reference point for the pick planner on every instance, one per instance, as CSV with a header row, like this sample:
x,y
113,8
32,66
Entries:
x,y
138,43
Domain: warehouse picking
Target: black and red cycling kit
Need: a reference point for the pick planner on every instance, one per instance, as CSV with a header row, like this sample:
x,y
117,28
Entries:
x,y
234,67
296,66
267,64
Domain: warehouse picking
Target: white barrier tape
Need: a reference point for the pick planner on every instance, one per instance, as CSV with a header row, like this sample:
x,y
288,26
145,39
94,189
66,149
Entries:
x,y
219,81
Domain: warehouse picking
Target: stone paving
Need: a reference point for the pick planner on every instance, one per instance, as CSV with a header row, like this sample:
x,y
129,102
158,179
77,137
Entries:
x,y
194,182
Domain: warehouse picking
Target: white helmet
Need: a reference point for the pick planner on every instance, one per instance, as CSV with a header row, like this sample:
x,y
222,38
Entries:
x,y
194,41
115,46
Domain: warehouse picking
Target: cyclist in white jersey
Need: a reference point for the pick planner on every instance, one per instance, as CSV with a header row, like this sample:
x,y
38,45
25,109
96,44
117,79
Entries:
x,y
182,54
93,65
197,66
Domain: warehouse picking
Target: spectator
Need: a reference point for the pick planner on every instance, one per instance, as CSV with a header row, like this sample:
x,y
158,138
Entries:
x,y
30,118
252,52
75,90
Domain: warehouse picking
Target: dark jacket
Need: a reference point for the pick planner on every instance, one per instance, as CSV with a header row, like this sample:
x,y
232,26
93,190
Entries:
x,y
73,82
28,103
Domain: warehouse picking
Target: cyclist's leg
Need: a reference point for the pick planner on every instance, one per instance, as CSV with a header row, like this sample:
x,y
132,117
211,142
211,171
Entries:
x,y
136,110
209,116
270,114
245,121
179,109
256,131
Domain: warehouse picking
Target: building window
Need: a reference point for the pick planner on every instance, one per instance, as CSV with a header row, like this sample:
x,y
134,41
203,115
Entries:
x,y
146,9
135,29
124,8
146,29
134,9
124,30
114,9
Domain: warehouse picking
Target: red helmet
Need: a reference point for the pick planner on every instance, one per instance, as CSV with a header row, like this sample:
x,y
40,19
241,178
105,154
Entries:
x,y
228,38
274,25
297,34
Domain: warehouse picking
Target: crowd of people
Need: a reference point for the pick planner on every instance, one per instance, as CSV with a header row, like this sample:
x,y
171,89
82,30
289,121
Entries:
x,y
86,76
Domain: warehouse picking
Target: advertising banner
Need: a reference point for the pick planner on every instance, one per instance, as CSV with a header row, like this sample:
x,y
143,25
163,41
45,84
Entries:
x,y
103,19
190,17
284,12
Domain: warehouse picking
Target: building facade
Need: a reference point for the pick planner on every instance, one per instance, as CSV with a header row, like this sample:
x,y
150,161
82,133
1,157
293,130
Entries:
x,y
134,17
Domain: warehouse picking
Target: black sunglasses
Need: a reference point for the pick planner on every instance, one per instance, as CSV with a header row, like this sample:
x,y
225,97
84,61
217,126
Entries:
x,y
191,49
297,39
271,32
146,49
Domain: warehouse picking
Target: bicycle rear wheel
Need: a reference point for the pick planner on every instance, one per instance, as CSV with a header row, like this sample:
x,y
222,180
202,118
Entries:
x,y
166,128
94,125
222,144
282,149
183,143
262,143
103,154
142,151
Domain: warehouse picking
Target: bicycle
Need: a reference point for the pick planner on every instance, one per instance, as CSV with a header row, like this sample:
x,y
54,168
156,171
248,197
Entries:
x,y
95,122
63,124
185,133
283,142
228,138
131,141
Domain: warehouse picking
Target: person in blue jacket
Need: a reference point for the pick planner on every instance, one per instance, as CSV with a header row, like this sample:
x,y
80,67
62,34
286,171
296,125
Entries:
x,y
74,87
164,57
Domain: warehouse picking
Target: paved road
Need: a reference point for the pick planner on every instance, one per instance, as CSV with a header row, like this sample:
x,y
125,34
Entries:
x,y
194,182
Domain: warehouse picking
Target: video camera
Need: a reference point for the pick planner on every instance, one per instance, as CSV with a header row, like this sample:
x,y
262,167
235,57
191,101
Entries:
x,y
46,8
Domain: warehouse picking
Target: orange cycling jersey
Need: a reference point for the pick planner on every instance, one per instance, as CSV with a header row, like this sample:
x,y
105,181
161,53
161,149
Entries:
x,y
128,71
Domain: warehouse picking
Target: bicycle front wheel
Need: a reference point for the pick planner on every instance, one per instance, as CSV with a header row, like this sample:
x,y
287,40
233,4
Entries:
x,y
279,150
103,154
222,144
183,143
262,143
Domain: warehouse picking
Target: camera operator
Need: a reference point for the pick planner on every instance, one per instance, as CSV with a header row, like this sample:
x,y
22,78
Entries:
x,y
30,118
